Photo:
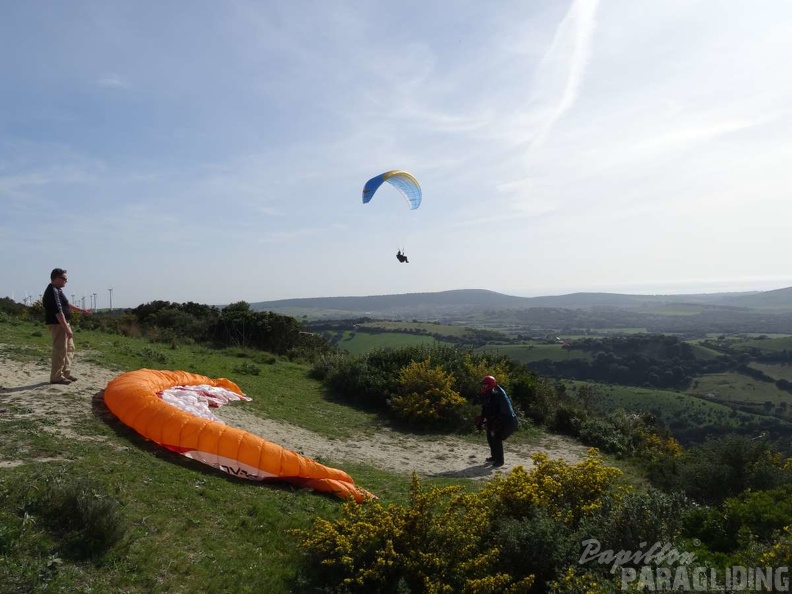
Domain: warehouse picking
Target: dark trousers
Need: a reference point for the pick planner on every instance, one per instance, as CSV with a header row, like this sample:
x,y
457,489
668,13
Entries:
x,y
496,445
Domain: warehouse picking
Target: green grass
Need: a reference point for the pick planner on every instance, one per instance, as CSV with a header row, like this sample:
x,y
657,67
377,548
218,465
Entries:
x,y
187,527
703,353
689,415
776,371
527,353
735,388
665,404
359,343
770,345
441,329
677,309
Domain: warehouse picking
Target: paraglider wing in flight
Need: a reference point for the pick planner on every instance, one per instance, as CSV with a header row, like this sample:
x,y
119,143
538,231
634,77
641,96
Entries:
x,y
401,180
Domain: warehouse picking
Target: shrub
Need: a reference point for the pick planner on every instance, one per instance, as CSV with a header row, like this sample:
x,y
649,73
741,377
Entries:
x,y
761,512
247,368
434,544
424,395
83,518
536,397
626,520
542,539
474,368
721,468
567,492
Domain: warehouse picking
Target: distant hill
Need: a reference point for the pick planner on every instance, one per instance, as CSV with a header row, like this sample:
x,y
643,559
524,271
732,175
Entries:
x,y
467,301
778,299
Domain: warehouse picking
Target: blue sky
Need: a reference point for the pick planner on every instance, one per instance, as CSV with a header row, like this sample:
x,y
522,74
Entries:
x,y
216,151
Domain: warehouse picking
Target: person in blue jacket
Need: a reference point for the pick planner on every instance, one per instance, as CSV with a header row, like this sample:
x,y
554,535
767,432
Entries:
x,y
497,413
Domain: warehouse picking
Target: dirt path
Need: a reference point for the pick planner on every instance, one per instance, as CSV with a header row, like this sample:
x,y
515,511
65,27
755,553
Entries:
x,y
26,392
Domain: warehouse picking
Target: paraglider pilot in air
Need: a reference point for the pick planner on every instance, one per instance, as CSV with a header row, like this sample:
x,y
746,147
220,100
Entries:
x,y
498,415
401,257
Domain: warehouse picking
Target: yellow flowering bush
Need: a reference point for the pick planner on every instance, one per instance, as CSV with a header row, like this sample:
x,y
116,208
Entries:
x,y
779,554
447,541
435,544
475,368
577,581
567,492
424,394
655,446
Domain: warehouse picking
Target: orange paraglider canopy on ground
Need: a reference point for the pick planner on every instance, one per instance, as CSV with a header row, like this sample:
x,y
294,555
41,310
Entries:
x,y
134,397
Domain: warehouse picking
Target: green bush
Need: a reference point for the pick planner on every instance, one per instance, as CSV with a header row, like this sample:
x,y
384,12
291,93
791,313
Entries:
x,y
542,541
721,468
536,397
626,521
247,368
369,380
762,512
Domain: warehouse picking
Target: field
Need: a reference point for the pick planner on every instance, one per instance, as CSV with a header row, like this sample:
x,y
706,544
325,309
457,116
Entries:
x,y
703,353
689,415
739,390
664,404
765,343
358,343
776,371
441,329
526,353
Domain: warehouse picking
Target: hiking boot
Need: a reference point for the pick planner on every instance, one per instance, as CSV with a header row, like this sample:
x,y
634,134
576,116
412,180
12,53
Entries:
x,y
71,378
62,381
490,459
497,464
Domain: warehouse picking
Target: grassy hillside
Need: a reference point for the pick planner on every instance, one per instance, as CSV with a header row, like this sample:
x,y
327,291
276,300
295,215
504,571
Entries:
x,y
89,506
690,416
190,528
742,392
358,343
527,353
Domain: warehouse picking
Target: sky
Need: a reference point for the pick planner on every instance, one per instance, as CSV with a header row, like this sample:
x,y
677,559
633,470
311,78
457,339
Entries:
x,y
214,152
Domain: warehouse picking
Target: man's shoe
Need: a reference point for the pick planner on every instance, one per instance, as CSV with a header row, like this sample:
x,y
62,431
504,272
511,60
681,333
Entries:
x,y
71,378
63,381
490,459
497,464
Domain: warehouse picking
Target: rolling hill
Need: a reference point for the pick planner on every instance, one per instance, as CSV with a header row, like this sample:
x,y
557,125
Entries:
x,y
464,302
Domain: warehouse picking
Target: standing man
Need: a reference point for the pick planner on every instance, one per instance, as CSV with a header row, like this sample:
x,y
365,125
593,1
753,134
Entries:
x,y
57,313
498,414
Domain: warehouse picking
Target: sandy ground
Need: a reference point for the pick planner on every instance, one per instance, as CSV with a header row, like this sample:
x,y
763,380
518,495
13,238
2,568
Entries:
x,y
25,391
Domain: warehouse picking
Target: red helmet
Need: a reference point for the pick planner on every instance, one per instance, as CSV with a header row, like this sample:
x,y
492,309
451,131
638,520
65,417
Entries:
x,y
488,383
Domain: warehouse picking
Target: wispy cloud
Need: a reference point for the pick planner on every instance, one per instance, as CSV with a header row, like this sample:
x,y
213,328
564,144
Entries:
x,y
566,62
114,81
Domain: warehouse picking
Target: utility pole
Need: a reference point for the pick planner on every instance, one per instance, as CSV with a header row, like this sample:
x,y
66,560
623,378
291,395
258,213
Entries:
x,y
111,299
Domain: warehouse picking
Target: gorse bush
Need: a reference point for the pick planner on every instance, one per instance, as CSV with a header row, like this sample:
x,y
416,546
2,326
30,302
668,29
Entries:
x,y
515,535
424,395
375,381
433,544
566,492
